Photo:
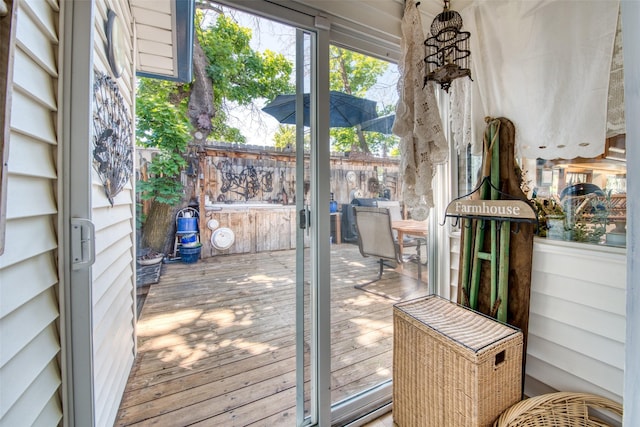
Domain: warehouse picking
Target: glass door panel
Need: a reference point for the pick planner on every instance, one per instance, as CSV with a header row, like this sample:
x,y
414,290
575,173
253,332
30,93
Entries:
x,y
266,195
305,380
365,172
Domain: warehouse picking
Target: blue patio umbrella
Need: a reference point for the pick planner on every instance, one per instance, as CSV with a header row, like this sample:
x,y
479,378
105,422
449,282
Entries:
x,y
344,110
382,124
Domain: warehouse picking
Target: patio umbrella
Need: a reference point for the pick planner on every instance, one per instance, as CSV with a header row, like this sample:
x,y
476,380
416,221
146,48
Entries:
x,y
380,124
344,110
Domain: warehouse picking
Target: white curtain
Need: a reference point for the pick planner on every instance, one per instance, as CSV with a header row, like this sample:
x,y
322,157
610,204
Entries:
x,y
544,65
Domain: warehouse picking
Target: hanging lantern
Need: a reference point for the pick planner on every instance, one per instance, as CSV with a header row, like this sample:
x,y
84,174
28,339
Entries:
x,y
447,50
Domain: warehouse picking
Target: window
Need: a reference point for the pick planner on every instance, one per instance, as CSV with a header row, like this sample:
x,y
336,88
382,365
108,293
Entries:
x,y
582,200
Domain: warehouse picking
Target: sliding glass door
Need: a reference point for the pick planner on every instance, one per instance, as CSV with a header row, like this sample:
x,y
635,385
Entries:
x,y
343,334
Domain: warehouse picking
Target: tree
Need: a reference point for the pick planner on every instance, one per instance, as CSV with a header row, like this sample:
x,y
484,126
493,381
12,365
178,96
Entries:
x,y
173,116
353,73
285,137
162,124
238,73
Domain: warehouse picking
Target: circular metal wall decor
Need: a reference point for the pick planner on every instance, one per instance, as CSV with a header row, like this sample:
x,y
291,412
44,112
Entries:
x,y
116,47
112,138
222,238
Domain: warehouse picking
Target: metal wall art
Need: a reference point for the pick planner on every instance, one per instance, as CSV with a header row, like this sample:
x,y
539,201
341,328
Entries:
x,y
248,183
112,136
447,50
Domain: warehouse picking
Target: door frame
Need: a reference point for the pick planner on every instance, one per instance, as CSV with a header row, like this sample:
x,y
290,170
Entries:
x,y
75,106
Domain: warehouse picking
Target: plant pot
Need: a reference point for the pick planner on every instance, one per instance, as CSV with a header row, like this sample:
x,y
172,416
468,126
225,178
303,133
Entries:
x,y
555,227
616,239
189,255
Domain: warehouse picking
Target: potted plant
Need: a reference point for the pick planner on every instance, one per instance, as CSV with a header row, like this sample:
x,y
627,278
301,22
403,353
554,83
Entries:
x,y
551,218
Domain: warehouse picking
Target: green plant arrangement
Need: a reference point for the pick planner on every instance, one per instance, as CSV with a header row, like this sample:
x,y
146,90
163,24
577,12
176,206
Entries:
x,y
549,212
589,218
580,219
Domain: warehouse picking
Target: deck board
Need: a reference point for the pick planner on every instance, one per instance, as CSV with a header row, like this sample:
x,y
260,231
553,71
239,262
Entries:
x,y
216,339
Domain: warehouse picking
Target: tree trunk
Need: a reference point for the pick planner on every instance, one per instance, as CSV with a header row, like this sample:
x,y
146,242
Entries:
x,y
362,142
201,109
158,232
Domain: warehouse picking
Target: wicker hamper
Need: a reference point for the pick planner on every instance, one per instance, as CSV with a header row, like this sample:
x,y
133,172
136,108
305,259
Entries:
x,y
452,366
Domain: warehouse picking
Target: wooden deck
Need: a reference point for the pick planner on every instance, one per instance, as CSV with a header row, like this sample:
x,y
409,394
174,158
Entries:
x,y
216,339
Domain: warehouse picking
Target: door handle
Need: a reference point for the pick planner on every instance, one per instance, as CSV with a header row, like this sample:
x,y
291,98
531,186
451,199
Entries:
x,y
304,218
83,235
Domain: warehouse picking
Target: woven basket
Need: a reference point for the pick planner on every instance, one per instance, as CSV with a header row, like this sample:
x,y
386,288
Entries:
x,y
452,367
560,409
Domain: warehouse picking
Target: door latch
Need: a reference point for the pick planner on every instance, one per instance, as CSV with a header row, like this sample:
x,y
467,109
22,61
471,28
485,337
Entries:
x,y
83,251
304,218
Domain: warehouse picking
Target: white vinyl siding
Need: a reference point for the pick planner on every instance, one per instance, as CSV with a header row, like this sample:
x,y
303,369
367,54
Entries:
x,y
577,318
30,376
113,274
155,37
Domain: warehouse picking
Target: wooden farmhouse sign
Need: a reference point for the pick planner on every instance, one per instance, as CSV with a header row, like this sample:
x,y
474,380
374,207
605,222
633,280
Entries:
x,y
508,209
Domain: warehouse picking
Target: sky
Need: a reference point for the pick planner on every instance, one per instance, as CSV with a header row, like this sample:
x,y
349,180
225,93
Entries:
x,y
258,127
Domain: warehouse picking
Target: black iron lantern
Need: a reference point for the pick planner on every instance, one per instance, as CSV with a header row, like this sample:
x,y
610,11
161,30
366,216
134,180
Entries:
x,y
447,50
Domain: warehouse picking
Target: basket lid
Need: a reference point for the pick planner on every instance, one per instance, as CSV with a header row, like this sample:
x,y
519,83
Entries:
x,y
469,328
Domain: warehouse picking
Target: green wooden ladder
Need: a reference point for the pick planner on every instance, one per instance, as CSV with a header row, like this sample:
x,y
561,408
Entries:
x,y
499,230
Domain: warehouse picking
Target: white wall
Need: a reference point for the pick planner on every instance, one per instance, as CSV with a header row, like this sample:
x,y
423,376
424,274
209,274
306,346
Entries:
x,y
32,302
577,317
113,273
30,377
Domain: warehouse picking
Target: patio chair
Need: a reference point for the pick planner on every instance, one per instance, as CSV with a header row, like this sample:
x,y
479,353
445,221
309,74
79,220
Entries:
x,y
396,215
375,238
559,409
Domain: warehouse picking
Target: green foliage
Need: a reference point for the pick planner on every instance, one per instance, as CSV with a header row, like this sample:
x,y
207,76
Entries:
x,y
352,72
239,73
162,124
161,119
584,219
589,220
224,132
547,208
285,137
355,73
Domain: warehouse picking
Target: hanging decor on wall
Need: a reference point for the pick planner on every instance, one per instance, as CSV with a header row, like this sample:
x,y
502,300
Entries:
x,y
116,46
112,139
447,50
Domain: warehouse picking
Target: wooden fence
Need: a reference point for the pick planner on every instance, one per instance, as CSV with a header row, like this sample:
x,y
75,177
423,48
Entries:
x,y
251,190
231,174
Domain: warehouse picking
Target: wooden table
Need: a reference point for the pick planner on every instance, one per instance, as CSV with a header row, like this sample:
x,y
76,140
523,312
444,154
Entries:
x,y
410,227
